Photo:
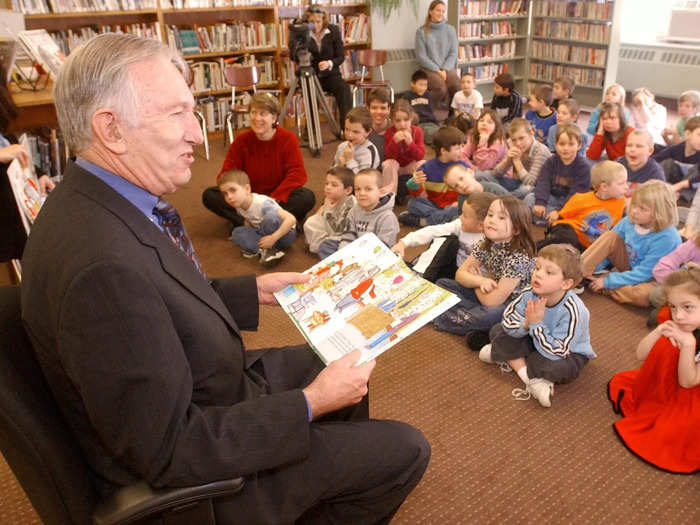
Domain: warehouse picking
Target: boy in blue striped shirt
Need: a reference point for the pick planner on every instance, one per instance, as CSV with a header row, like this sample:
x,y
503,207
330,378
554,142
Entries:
x,y
544,334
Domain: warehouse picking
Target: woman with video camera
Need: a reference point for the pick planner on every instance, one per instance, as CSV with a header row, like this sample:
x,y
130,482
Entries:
x,y
328,54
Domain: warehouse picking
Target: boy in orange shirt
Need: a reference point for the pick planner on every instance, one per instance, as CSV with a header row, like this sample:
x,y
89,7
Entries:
x,y
586,216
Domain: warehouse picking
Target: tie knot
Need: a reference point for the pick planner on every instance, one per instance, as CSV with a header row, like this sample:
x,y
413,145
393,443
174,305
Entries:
x,y
167,213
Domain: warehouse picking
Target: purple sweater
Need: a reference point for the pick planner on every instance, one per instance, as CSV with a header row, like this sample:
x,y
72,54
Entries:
x,y
685,253
559,180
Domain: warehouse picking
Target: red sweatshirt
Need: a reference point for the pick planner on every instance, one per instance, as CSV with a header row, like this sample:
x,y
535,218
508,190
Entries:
x,y
613,149
400,152
275,167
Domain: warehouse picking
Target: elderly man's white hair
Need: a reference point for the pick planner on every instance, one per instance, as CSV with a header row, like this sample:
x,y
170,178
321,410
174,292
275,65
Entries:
x,y
96,75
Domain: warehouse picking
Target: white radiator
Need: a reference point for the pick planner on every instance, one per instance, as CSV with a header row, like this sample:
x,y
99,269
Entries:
x,y
666,70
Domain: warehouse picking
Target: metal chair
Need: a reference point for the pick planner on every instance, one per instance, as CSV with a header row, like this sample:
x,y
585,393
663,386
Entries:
x,y
46,458
371,58
238,77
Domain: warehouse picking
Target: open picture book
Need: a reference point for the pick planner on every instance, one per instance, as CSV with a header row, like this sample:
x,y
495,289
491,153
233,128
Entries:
x,y
362,297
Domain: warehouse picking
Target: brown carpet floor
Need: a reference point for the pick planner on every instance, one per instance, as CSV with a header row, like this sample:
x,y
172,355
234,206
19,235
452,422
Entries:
x,y
494,459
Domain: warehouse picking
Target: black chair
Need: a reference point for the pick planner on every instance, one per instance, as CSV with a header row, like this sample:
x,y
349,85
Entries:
x,y
48,463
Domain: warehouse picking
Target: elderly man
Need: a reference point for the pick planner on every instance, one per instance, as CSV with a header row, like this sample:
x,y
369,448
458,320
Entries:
x,y
144,354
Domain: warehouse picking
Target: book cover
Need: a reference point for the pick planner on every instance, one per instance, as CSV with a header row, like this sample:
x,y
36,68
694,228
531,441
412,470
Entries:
x,y
362,297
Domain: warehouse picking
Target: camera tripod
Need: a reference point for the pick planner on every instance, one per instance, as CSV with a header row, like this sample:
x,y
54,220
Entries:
x,y
312,95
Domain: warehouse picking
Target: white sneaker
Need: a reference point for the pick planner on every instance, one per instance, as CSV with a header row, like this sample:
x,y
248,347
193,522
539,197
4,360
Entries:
x,y
270,256
485,354
542,390
249,255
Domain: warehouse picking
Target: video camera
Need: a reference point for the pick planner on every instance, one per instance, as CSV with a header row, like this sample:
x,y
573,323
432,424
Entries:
x,y
299,42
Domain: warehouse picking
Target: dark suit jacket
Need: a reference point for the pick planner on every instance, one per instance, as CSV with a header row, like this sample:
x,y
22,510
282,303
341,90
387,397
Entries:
x,y
144,356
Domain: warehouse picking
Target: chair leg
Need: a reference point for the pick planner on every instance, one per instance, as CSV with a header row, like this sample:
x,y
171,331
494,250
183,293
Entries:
x,y
391,93
354,96
203,125
229,129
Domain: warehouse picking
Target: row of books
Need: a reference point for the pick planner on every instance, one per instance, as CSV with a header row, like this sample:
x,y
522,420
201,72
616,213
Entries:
x,y
304,3
595,56
580,75
68,6
573,31
222,37
486,29
488,71
209,75
199,4
494,7
480,51
592,10
69,39
352,28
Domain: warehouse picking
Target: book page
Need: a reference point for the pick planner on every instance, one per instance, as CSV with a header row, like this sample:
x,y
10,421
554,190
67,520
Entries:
x,y
362,297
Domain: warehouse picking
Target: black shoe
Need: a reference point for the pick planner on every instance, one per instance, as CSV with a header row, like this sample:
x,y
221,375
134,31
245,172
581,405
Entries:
x,y
409,219
476,340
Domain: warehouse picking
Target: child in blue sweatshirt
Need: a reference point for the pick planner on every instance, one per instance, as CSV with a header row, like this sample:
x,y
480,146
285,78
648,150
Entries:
x,y
635,245
544,334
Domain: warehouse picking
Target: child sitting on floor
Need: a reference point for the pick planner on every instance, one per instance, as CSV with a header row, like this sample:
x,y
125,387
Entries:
x,y
647,114
611,135
269,228
562,89
468,100
357,152
586,216
614,93
378,106
329,221
567,113
541,115
688,107
486,145
506,102
422,103
433,201
638,162
635,245
544,335
493,274
660,403
468,229
680,161
404,149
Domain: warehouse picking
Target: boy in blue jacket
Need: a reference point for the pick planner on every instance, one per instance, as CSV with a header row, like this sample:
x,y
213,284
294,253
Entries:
x,y
544,334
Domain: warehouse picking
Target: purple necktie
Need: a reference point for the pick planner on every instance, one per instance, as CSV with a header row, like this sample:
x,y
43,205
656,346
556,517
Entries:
x,y
173,227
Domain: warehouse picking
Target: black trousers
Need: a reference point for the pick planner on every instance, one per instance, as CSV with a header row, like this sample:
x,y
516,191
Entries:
x,y
358,470
560,234
300,202
340,89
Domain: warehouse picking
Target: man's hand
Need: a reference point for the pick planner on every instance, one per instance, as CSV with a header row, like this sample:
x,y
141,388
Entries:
x,y
338,385
12,152
45,184
596,283
346,155
270,283
399,248
442,73
538,210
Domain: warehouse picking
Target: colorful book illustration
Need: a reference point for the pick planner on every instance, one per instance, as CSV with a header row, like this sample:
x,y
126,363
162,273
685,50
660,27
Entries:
x,y
362,297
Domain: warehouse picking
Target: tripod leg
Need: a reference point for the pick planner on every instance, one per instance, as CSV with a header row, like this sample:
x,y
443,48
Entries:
x,y
290,96
335,128
313,98
311,117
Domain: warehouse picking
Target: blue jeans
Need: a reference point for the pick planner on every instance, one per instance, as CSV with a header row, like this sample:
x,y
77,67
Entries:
x,y
467,315
553,203
431,212
327,247
512,186
247,237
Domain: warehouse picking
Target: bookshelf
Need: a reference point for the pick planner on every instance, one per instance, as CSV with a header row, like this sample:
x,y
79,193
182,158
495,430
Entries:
x,y
206,32
492,38
578,39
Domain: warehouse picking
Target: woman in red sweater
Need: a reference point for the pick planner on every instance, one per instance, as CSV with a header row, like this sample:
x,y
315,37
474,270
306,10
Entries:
x,y
271,157
611,134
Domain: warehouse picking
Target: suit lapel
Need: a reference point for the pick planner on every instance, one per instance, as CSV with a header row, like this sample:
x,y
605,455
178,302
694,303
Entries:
x,y
173,260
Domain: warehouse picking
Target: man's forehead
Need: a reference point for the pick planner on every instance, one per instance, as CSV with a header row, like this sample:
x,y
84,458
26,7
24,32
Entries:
x,y
157,82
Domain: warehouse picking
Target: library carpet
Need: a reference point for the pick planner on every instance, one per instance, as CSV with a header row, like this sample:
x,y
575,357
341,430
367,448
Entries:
x,y
494,459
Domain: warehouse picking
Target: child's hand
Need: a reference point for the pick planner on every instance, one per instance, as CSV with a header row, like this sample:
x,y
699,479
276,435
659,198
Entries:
x,y
346,156
671,135
488,285
534,311
407,137
419,177
596,283
399,249
600,130
538,210
514,152
247,223
678,337
553,216
268,241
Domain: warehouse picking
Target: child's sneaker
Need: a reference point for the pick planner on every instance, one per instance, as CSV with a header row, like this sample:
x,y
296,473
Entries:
x,y
249,255
542,390
269,257
407,218
485,354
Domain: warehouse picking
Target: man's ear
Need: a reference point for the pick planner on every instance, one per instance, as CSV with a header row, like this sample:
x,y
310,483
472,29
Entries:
x,y
108,130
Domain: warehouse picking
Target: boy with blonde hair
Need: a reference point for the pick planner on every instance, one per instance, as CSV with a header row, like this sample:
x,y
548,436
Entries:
x,y
637,160
544,335
586,216
330,220
268,228
373,212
